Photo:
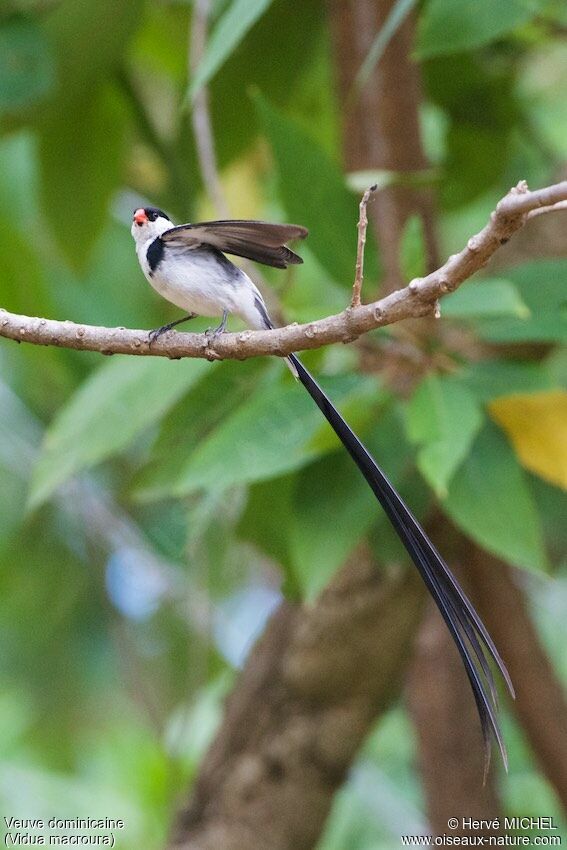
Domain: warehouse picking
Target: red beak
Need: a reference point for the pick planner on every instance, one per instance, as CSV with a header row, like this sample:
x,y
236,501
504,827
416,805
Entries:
x,y
140,216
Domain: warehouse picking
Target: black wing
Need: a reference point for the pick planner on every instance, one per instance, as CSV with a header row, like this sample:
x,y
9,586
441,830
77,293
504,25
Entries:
x,y
255,240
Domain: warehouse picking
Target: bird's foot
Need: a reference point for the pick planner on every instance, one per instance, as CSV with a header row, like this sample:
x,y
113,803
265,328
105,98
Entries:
x,y
214,333
157,332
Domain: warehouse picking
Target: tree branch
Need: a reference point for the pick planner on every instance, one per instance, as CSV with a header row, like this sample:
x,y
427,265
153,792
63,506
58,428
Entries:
x,y
359,268
380,119
417,299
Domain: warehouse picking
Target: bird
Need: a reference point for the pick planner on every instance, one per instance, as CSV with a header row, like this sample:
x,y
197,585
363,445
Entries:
x,y
186,264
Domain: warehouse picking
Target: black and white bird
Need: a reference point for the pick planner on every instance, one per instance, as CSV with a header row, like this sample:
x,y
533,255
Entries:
x,y
187,266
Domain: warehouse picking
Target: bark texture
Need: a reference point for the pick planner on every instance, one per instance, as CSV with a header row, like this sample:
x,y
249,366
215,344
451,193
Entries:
x,y
308,696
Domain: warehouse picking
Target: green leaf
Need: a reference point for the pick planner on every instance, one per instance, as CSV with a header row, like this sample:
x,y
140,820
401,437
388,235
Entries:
x,y
227,34
313,191
20,263
412,249
330,487
474,90
80,164
160,45
476,159
494,297
18,179
87,52
555,367
490,500
27,69
107,412
290,518
489,379
442,418
334,487
541,286
449,26
546,328
273,432
552,504
479,97
51,574
556,11
219,392
12,503
304,90
266,523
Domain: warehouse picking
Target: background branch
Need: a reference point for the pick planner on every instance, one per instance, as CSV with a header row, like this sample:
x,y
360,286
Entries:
x,y
417,299
359,268
200,113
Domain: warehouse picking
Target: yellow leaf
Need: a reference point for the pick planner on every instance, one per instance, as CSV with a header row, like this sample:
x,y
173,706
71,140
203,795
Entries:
x,y
537,426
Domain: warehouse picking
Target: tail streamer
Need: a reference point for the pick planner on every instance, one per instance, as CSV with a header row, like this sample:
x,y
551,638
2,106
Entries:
x,y
467,629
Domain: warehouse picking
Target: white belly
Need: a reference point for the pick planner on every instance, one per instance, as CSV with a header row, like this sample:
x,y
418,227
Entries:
x,y
199,282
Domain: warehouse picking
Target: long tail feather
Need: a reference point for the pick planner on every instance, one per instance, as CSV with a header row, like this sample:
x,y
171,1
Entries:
x,y
466,627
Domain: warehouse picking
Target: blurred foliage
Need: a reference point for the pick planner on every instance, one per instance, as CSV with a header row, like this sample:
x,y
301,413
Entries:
x,y
151,512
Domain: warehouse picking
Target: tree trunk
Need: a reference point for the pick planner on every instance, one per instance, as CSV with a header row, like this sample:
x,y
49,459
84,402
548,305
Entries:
x,y
381,124
307,697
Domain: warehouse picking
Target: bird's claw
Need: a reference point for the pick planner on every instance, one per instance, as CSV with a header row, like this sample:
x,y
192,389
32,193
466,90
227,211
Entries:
x,y
213,333
156,333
